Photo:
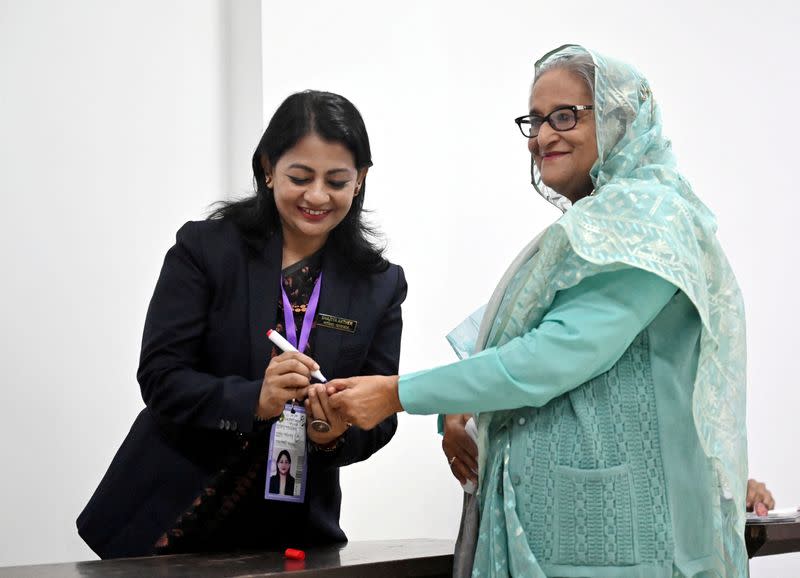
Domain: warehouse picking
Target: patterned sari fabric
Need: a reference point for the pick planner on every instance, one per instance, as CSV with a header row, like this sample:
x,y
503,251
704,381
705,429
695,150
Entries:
x,y
642,214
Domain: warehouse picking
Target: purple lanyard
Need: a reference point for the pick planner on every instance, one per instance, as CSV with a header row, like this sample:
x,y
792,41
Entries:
x,y
308,318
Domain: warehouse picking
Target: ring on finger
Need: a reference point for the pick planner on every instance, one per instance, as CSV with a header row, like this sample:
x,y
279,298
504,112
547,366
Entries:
x,y
320,426
451,460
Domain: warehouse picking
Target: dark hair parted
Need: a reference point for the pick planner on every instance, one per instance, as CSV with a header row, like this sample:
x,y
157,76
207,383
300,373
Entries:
x,y
284,453
335,119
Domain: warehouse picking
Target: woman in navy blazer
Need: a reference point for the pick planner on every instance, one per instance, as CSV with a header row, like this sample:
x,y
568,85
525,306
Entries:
x,y
180,480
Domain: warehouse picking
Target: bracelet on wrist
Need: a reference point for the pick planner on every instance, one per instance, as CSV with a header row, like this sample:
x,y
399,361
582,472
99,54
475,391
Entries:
x,y
331,446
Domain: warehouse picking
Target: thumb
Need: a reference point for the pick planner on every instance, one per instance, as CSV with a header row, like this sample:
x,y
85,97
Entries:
x,y
338,403
337,385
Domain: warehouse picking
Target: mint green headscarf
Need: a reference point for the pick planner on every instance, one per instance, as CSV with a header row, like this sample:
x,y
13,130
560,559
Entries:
x,y
642,214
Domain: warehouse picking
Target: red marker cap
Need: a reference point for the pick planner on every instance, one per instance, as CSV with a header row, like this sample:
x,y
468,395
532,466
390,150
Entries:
x,y
293,554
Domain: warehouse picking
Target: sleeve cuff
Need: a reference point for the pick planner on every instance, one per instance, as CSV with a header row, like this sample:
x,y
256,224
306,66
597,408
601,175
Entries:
x,y
241,409
407,390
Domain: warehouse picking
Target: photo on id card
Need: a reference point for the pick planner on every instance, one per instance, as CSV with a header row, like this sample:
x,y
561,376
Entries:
x,y
286,462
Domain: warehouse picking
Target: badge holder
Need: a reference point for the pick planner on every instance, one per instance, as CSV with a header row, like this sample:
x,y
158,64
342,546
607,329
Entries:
x,y
287,459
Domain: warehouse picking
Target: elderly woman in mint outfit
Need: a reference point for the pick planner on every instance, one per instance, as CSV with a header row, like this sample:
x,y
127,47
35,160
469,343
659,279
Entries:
x,y
609,373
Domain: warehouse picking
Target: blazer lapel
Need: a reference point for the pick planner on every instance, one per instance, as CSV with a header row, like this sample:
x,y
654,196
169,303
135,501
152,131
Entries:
x,y
264,279
337,282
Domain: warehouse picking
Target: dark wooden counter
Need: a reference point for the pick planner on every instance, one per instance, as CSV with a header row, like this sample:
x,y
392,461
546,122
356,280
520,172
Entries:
x,y
419,558
384,559
769,539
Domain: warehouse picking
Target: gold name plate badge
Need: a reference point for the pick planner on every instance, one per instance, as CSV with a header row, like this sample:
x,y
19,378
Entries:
x,y
337,323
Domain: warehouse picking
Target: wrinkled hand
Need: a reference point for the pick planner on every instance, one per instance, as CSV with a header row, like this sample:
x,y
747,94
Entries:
x,y
367,400
287,377
759,498
318,407
458,447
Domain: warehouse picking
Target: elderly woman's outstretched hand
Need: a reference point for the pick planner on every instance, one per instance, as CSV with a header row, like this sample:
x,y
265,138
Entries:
x,y
759,499
365,401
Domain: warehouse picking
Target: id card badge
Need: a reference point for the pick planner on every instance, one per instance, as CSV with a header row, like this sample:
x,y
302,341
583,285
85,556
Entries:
x,y
287,459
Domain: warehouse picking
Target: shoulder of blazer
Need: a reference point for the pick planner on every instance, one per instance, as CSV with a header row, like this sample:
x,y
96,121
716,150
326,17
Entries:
x,y
380,290
210,234
391,281
217,244
391,277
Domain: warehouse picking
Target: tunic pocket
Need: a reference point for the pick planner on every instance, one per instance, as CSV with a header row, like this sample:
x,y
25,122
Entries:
x,y
595,517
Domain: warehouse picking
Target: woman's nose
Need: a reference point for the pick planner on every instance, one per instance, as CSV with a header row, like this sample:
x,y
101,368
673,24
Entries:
x,y
316,192
546,135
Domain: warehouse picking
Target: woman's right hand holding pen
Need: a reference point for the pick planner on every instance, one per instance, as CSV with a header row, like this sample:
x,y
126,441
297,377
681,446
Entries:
x,y
287,377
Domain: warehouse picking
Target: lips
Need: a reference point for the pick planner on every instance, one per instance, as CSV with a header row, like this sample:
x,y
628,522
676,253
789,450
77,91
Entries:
x,y
313,214
553,155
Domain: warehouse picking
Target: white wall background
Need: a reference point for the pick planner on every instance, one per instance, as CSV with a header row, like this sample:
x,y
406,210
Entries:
x,y
118,122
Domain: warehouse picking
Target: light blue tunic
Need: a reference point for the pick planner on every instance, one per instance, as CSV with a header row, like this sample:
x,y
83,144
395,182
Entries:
x,y
605,473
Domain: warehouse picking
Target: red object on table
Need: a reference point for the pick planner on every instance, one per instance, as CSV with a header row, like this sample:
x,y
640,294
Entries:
x,y
293,554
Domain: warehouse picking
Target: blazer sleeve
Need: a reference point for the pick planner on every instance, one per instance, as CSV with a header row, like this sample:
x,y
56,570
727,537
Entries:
x,y
383,358
584,333
172,383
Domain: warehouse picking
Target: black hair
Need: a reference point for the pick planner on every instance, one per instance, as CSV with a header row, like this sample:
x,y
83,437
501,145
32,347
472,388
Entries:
x,y
334,119
283,453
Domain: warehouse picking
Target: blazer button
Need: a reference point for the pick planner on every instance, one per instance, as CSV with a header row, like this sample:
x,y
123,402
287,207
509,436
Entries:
x,y
222,424
234,425
227,425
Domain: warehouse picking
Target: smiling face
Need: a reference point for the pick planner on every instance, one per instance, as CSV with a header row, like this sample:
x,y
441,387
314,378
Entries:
x,y
565,158
314,183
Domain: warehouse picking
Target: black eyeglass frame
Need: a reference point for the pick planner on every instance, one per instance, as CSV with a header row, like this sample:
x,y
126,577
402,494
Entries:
x,y
546,119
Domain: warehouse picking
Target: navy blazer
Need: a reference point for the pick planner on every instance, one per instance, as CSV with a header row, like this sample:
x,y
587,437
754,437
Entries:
x,y
204,354
275,485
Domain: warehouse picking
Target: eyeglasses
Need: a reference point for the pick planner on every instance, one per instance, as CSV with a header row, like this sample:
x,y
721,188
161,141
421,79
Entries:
x,y
561,119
